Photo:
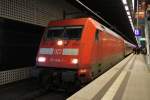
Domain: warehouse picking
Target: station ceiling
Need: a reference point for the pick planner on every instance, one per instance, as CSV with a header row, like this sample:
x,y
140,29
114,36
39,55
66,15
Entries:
x,y
113,12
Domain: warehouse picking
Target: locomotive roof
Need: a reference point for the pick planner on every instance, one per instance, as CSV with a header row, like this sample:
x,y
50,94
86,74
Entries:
x,y
80,21
74,21
104,28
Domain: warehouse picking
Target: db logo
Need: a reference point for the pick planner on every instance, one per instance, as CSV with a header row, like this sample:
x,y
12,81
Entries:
x,y
57,51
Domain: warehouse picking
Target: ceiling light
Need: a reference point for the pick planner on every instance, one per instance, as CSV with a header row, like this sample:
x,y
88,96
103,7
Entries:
x,y
124,2
126,7
129,17
133,4
128,13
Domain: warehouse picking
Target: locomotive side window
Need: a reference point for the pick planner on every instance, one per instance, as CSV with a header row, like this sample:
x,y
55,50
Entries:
x,y
97,35
69,32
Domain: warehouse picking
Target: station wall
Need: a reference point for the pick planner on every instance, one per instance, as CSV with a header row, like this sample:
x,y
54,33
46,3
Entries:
x,y
37,12
19,43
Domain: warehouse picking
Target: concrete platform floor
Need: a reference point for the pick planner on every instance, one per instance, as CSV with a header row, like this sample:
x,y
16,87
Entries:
x,y
133,83
138,85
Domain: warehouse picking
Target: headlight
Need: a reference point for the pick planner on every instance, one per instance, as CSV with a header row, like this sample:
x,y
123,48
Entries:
x,y
59,42
74,61
41,59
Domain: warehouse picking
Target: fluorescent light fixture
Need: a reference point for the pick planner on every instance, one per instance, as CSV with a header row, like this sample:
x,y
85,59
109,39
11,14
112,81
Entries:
x,y
130,21
132,26
126,7
129,17
133,4
124,2
128,13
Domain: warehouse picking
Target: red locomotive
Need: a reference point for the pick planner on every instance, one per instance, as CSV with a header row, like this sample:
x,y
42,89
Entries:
x,y
79,49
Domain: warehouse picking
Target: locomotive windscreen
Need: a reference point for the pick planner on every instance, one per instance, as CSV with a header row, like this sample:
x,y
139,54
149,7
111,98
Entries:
x,y
67,33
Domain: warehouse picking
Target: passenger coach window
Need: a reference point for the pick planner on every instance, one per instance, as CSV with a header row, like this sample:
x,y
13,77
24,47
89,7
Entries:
x,y
97,35
67,33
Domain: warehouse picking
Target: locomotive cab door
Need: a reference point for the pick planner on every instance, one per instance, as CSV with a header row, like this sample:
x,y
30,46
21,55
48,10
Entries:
x,y
97,54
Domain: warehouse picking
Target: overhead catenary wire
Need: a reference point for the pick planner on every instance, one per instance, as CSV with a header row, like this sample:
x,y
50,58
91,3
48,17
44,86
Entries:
x,y
93,12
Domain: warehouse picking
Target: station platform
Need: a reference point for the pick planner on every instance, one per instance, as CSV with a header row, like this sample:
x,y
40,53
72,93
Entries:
x,y
128,80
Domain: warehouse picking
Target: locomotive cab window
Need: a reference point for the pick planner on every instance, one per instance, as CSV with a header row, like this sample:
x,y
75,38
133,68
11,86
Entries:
x,y
97,35
67,33
55,32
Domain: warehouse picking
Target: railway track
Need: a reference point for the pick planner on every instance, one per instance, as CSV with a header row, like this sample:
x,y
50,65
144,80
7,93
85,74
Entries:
x,y
43,95
55,93
30,90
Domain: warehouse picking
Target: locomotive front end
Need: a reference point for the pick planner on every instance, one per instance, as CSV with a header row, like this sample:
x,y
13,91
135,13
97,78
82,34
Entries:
x,y
59,53
60,47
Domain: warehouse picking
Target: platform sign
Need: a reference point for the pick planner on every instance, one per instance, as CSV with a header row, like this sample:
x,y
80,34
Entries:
x,y
137,32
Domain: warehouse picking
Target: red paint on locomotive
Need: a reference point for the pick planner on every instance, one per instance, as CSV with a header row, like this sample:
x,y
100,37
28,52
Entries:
x,y
89,49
